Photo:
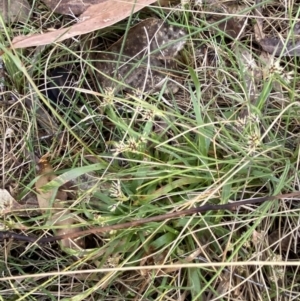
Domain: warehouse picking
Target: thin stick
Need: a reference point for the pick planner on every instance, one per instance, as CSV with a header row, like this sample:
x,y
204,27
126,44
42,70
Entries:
x,y
157,218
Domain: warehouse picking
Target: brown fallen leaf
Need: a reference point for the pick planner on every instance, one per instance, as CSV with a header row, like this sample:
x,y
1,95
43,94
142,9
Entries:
x,y
7,203
46,175
95,17
61,217
70,7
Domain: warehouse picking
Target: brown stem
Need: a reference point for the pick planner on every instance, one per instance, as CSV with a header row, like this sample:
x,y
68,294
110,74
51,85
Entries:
x,y
157,218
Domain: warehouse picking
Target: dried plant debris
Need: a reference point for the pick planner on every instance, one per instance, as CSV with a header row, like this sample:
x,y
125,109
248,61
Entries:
x,y
258,24
285,43
70,7
231,27
281,241
224,18
45,198
277,46
7,203
53,200
14,11
43,118
252,75
95,17
9,206
145,66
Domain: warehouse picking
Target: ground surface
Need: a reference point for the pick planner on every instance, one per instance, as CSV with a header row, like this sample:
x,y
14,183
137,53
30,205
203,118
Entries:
x,y
231,132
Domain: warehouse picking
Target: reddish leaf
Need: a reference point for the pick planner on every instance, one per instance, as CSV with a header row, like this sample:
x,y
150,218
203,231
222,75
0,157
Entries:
x,y
95,17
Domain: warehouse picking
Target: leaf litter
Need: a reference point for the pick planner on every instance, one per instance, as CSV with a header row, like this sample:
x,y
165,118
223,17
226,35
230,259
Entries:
x,y
70,7
53,200
96,17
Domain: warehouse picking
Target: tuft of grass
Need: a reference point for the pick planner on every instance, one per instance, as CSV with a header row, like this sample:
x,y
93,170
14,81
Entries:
x,y
132,157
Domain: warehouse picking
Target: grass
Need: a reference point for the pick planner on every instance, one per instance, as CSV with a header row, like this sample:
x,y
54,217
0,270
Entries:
x,y
228,134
